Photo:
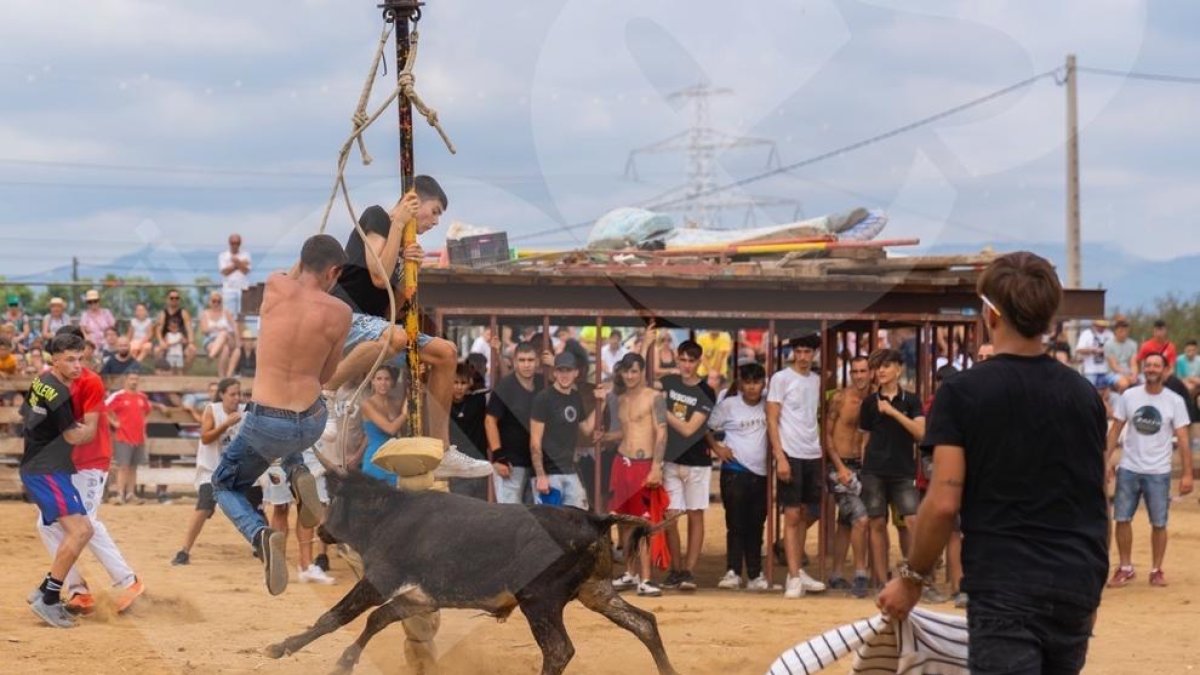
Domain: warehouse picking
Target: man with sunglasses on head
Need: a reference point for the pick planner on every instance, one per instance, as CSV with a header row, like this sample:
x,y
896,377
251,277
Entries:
x,y
175,311
1019,450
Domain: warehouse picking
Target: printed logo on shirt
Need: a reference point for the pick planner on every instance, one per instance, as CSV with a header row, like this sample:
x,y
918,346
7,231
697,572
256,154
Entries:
x,y
570,414
1147,420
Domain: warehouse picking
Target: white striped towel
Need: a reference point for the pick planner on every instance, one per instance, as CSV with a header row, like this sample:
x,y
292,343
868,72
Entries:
x,y
926,642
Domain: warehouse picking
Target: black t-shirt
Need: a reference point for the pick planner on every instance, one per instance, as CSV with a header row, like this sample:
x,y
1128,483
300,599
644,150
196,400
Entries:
x,y
115,366
47,414
561,413
683,401
890,448
510,405
1176,385
1034,515
466,425
354,286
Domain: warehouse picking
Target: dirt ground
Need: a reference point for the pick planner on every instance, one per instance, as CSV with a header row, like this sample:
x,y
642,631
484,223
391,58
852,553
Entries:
x,y
216,616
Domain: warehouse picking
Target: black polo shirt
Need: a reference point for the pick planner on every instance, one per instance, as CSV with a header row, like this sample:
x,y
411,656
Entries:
x,y
511,405
890,448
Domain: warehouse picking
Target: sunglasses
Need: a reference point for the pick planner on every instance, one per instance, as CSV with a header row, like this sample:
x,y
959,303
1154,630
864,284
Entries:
x,y
93,302
990,305
172,297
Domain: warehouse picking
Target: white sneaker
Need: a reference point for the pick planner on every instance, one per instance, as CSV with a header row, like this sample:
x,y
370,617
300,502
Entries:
x,y
315,575
758,583
794,588
456,464
810,584
731,581
649,589
626,581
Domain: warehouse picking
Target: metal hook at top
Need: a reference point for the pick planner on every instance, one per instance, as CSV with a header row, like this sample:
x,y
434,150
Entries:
x,y
408,8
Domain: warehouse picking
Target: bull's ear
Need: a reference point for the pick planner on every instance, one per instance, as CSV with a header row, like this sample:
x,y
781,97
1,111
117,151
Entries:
x,y
333,481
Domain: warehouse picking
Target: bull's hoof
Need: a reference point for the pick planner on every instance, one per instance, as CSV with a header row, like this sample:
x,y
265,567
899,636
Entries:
x,y
342,668
276,651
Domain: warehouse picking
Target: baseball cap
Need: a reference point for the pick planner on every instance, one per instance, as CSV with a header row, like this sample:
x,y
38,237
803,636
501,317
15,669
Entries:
x,y
14,300
565,361
1160,324
91,295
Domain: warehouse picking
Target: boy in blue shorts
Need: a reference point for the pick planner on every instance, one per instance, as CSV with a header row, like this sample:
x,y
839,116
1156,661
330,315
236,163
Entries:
x,y
50,430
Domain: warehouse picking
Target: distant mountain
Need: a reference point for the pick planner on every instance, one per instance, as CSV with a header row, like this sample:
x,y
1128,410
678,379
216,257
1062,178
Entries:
x,y
1131,281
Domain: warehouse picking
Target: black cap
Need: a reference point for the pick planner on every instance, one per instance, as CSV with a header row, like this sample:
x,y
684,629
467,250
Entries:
x,y
565,361
1160,324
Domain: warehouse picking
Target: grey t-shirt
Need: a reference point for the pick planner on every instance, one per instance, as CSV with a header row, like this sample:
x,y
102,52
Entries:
x,y
1121,352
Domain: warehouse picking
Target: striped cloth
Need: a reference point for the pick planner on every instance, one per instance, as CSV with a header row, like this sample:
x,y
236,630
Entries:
x,y
926,642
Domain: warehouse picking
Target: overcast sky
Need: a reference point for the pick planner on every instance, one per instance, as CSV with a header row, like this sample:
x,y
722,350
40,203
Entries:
x,y
127,122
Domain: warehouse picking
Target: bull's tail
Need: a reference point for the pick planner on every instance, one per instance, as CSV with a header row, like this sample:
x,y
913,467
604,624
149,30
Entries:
x,y
642,528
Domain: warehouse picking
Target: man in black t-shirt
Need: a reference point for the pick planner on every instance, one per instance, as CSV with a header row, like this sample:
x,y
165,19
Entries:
x,y
50,431
363,286
467,411
1019,450
893,423
687,471
556,420
507,426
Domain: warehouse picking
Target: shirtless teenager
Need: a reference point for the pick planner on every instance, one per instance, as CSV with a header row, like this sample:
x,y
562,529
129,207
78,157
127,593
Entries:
x,y
363,287
302,330
844,444
637,467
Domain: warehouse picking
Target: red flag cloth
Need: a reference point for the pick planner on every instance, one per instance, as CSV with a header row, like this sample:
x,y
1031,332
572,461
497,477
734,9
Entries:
x,y
660,501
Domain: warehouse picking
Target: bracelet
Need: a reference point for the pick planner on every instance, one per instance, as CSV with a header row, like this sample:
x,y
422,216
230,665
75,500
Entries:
x,y
912,576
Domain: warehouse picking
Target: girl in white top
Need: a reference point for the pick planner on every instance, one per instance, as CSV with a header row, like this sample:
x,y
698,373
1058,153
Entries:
x,y
216,325
220,424
141,330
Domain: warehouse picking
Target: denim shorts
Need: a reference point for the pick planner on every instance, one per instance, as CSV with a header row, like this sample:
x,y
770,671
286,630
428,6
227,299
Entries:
x,y
879,491
1154,488
1102,380
368,328
566,483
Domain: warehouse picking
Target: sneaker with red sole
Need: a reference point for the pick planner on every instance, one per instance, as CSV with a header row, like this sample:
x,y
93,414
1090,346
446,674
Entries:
x,y
129,594
81,603
1157,578
1121,577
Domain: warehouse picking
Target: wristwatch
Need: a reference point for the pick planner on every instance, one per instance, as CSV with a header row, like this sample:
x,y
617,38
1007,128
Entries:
x,y
912,576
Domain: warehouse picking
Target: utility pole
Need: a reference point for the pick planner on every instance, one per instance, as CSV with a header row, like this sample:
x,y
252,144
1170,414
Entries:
x,y
401,13
1074,262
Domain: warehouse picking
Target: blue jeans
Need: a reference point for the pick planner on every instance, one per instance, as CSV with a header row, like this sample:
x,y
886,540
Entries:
x,y
1154,488
263,438
369,328
515,488
1013,633
568,484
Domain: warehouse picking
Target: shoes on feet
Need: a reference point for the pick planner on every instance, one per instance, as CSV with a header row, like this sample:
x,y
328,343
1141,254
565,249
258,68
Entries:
x,y
456,464
793,588
687,582
671,583
859,587
129,594
181,558
810,584
731,581
626,581
55,615
309,509
1121,577
838,584
1157,578
322,561
81,603
649,589
271,545
315,575
758,583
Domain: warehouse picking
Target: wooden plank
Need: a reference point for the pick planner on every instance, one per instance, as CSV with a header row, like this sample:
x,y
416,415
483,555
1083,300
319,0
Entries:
x,y
12,415
147,383
158,447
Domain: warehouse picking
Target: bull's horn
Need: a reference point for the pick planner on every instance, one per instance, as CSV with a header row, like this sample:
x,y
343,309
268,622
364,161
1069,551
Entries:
x,y
329,465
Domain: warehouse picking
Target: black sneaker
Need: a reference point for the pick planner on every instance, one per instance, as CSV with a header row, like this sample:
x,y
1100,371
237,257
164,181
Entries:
x,y
271,544
859,588
181,558
838,584
686,581
671,583
309,509
322,561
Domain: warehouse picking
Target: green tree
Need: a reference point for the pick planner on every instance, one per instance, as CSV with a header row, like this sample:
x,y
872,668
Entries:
x,y
1181,314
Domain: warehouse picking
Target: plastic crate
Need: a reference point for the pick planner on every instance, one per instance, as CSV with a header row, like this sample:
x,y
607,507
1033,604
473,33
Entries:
x,y
478,250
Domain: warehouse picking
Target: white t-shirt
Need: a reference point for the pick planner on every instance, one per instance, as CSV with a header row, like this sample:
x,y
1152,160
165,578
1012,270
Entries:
x,y
235,280
1151,422
610,358
1095,364
482,346
798,396
745,428
208,456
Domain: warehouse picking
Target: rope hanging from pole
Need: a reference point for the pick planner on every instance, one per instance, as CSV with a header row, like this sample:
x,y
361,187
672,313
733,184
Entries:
x,y
405,86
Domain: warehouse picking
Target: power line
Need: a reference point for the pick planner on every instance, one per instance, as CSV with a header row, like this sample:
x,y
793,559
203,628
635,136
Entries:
x,y
818,158
1134,75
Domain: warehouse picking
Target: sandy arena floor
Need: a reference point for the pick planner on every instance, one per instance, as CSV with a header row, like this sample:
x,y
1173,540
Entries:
x,y
216,616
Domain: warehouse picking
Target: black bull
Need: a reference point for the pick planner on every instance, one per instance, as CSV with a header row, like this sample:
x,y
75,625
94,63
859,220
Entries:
x,y
425,551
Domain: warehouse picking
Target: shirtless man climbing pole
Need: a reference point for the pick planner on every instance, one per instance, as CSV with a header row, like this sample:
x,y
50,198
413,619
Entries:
x,y
302,330
637,467
844,445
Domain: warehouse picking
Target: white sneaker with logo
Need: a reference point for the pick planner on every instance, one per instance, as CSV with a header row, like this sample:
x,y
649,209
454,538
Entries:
x,y
794,588
315,575
456,464
758,583
810,584
626,581
731,581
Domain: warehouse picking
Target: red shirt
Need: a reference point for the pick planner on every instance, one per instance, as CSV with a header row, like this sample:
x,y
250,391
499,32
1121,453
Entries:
x,y
131,409
1152,346
87,395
